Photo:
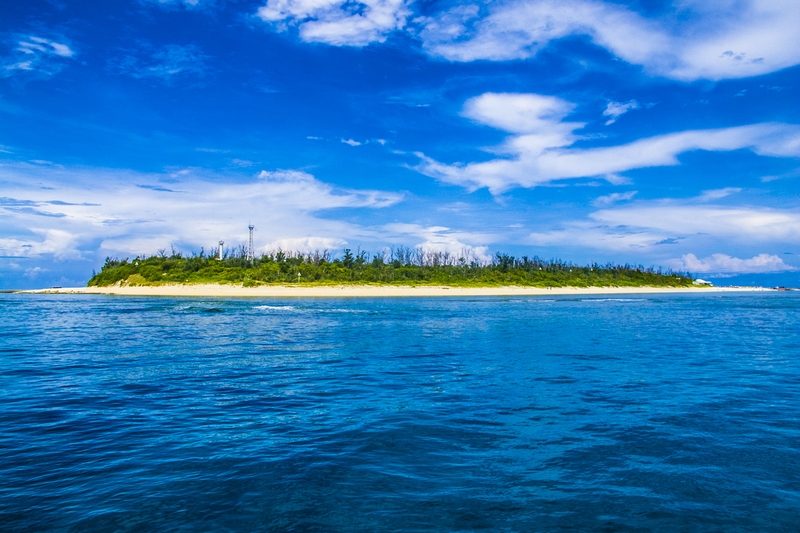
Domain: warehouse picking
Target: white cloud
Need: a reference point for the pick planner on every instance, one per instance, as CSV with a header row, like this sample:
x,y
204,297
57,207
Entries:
x,y
617,109
525,114
35,55
725,264
338,22
108,207
351,142
613,198
33,272
670,218
616,179
716,194
456,244
696,40
59,243
791,174
538,153
304,244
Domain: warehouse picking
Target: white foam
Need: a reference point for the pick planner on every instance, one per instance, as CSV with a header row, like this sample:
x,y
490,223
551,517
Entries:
x,y
614,300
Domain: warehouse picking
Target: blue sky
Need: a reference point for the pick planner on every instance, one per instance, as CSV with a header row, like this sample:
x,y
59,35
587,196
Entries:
x,y
655,133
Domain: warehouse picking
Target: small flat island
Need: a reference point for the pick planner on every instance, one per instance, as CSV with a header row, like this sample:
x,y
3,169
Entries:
x,y
402,272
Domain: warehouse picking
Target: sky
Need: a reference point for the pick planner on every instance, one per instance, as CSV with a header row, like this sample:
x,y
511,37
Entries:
x,y
654,133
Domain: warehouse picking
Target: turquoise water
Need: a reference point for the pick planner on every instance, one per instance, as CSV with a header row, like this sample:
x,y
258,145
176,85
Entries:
x,y
639,413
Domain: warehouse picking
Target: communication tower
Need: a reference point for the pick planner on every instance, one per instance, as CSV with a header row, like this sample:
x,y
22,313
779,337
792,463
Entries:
x,y
250,254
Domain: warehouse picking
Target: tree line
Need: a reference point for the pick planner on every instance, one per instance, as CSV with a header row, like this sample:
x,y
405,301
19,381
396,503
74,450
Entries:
x,y
395,266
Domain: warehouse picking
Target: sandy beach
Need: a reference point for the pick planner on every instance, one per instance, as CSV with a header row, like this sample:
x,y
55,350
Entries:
x,y
373,291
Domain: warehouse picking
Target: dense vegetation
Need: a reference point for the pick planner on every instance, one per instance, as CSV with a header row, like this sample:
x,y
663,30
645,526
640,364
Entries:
x,y
402,266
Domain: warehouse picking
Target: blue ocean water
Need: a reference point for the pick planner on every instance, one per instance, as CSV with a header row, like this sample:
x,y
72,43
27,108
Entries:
x,y
638,413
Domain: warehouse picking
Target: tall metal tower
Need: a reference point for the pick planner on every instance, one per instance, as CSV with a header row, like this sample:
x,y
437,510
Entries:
x,y
250,254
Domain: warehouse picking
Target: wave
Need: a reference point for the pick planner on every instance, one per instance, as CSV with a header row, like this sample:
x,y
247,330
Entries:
x,y
615,300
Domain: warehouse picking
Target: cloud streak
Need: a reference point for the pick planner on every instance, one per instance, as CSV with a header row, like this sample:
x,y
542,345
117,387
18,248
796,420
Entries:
x,y
538,151
734,223
36,55
646,226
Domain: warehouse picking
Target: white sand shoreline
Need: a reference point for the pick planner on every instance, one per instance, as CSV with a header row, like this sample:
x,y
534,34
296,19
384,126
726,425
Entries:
x,y
374,291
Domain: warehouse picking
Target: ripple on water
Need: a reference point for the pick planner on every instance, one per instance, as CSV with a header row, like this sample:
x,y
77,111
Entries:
x,y
679,413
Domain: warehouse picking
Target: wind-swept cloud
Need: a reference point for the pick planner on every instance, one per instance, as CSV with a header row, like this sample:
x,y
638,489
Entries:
x,y
791,174
106,209
338,22
538,151
680,219
35,55
302,190
717,194
725,264
643,227
694,40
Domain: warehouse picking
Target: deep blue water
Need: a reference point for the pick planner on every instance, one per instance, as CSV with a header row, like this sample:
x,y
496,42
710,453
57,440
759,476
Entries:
x,y
645,413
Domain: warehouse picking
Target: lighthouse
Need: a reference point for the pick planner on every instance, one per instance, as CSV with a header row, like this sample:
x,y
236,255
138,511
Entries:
x,y
250,252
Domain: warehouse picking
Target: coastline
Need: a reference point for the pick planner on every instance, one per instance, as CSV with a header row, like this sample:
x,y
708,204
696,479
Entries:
x,y
372,291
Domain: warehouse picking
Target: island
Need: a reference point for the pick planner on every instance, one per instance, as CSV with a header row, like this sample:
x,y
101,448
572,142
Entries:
x,y
403,267
399,272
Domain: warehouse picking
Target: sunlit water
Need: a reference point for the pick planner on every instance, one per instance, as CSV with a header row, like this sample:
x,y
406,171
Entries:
x,y
651,413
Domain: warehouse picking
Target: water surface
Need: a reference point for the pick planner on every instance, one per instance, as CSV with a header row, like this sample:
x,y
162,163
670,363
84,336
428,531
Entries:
x,y
638,413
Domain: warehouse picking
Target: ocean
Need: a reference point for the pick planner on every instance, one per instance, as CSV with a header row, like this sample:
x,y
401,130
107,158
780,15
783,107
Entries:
x,y
640,413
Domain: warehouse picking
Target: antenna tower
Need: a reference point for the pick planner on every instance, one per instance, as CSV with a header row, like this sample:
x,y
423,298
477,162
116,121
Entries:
x,y
250,254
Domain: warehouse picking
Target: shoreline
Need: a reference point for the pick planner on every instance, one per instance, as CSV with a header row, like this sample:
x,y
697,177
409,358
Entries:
x,y
372,291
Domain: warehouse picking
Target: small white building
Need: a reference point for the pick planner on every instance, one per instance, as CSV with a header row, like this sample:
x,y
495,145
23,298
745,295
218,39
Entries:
x,y
699,281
